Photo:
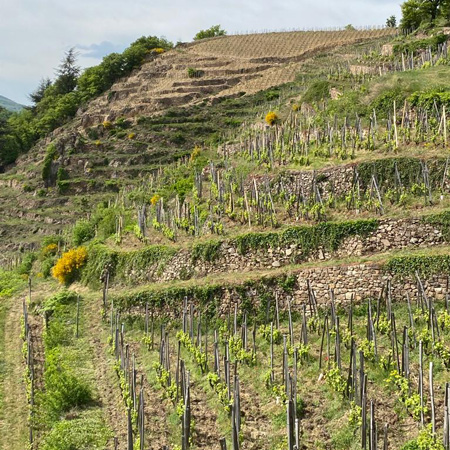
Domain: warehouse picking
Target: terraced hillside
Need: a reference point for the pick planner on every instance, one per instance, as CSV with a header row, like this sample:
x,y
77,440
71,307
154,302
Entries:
x,y
253,257
154,117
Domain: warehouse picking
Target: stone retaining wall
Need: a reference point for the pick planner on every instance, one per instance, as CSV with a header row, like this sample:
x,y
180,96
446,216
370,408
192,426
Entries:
x,y
390,235
359,281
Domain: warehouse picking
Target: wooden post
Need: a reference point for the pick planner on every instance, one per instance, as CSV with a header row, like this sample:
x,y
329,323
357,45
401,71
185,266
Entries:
x,y
433,413
447,418
445,125
29,289
129,432
78,315
422,422
386,442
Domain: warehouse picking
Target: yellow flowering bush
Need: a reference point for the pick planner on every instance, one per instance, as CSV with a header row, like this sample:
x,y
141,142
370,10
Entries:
x,y
50,249
131,135
158,50
155,199
68,266
272,118
107,124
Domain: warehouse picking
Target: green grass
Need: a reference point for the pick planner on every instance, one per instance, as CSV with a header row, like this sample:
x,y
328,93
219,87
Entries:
x,y
67,414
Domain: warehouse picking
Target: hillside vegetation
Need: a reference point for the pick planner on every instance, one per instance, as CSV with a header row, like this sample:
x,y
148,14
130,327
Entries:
x,y
240,242
9,105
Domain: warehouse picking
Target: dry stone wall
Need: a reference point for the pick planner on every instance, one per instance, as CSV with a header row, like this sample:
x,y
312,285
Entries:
x,y
390,235
356,281
359,281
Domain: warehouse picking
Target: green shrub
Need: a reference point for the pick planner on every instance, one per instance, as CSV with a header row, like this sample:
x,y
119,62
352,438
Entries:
x,y
272,95
46,267
384,103
105,220
57,333
420,44
195,73
64,389
123,123
64,297
61,180
86,432
211,32
93,133
431,99
10,282
404,266
121,263
206,251
319,90
83,231
50,156
27,264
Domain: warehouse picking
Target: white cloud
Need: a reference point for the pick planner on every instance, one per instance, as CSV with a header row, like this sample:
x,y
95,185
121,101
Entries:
x,y
38,32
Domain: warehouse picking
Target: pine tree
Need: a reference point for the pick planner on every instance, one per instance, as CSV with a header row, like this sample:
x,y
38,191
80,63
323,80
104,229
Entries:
x,y
67,73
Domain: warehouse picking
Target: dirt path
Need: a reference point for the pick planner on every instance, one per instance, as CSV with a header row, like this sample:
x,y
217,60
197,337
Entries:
x,y
107,382
157,406
14,407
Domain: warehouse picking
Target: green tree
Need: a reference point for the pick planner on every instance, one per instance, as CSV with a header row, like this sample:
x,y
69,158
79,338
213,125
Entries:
x,y
98,79
214,31
391,22
38,94
67,73
417,12
9,147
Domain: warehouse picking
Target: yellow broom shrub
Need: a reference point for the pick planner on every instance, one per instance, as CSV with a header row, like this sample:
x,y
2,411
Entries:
x,y
155,199
272,118
68,266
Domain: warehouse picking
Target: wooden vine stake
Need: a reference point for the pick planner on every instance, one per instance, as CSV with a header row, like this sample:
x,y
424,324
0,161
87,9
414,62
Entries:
x,y
422,422
447,417
78,316
433,412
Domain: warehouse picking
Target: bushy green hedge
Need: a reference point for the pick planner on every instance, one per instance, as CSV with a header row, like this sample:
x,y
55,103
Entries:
x,y
206,251
118,263
430,100
328,235
405,266
171,297
420,44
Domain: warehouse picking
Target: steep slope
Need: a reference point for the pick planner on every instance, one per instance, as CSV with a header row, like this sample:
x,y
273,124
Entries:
x,y
192,95
268,265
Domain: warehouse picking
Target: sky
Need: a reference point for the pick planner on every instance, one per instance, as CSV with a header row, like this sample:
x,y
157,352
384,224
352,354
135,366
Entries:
x,y
35,34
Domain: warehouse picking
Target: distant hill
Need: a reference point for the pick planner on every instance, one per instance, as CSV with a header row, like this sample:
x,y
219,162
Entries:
x,y
9,104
